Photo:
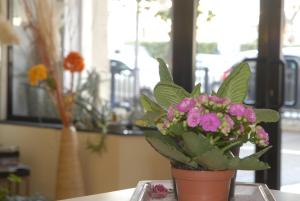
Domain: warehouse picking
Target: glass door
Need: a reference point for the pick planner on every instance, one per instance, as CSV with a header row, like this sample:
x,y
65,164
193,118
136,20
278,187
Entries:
x,y
227,33
290,152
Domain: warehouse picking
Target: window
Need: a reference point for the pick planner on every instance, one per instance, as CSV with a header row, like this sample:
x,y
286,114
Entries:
x,y
227,32
119,40
23,100
138,32
26,102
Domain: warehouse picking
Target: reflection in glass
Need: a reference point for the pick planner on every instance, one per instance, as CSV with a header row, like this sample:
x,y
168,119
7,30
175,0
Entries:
x,y
138,32
26,100
227,32
290,153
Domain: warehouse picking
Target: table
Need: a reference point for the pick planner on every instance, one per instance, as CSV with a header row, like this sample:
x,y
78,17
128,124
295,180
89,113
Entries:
x,y
124,195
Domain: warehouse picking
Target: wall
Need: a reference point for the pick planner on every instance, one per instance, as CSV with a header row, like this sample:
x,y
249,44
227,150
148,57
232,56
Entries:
x,y
127,159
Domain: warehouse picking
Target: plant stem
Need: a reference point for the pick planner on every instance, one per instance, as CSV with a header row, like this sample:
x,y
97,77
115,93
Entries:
x,y
214,140
72,82
231,145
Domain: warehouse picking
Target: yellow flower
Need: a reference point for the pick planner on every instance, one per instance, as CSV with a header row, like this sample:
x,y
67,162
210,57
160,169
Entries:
x,y
37,73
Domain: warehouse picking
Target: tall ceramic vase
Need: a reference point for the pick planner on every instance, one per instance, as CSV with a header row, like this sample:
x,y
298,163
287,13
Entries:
x,y
69,181
194,185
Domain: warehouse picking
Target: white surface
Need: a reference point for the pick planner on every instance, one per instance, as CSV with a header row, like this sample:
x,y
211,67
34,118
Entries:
x,y
122,195
125,195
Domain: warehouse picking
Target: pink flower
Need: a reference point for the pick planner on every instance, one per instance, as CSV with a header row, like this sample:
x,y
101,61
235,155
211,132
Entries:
x,y
262,136
250,115
229,121
236,109
227,124
186,105
210,122
194,117
242,128
166,124
226,101
171,113
159,188
216,99
158,191
202,98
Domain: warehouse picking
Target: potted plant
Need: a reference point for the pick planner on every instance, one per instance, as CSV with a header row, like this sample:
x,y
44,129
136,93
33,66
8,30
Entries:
x,y
198,132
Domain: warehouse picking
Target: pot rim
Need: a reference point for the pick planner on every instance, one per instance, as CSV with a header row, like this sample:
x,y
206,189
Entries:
x,y
202,174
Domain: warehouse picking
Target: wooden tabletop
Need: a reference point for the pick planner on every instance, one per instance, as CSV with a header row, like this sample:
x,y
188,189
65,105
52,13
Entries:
x,y
124,195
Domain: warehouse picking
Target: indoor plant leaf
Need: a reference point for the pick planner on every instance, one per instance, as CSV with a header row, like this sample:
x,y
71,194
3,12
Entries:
x,y
260,153
266,115
213,160
205,154
168,148
197,90
149,105
248,163
164,73
177,129
196,144
167,94
235,86
149,119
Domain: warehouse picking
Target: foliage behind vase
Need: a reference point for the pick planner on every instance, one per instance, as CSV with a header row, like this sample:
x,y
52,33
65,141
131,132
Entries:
x,y
198,131
91,113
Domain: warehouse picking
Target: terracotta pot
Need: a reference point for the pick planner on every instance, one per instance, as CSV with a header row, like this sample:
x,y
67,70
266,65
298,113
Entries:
x,y
192,185
69,182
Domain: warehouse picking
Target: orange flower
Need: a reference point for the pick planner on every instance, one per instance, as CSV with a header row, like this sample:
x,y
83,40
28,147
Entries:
x,y
74,62
36,74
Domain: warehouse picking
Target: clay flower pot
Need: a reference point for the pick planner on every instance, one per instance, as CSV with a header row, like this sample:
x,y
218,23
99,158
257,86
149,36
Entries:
x,y
193,185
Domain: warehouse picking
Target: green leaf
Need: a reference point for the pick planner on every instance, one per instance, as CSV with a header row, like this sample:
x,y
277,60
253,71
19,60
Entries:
x,y
213,160
204,153
260,153
149,105
266,115
177,129
196,144
164,73
251,163
196,91
51,83
167,94
232,145
149,119
167,147
235,86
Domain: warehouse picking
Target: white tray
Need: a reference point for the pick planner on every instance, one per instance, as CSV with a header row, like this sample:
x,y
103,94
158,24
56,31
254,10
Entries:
x,y
243,192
